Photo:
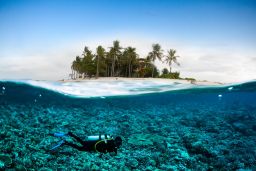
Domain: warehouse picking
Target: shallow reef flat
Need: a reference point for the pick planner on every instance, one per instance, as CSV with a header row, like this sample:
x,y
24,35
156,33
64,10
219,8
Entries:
x,y
162,131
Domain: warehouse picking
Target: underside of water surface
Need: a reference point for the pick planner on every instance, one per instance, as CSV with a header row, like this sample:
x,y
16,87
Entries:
x,y
162,127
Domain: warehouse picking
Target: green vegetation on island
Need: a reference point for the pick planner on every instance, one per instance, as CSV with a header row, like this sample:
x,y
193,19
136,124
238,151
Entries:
x,y
123,62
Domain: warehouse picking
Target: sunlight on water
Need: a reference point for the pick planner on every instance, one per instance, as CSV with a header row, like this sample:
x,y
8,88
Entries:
x,y
94,88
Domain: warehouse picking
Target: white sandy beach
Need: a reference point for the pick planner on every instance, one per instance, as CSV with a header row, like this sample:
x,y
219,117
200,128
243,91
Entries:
x,y
162,80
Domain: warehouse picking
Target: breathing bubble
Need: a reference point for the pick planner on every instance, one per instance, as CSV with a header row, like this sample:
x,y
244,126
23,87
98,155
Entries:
x,y
40,95
220,95
230,88
3,90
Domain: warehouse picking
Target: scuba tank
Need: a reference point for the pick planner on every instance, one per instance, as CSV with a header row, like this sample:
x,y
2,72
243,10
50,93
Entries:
x,y
99,137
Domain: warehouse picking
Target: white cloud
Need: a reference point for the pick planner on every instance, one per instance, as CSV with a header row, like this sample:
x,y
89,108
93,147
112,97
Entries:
x,y
51,66
224,64
201,61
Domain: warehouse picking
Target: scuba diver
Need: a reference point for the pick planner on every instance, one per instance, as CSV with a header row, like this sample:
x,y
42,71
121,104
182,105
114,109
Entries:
x,y
99,143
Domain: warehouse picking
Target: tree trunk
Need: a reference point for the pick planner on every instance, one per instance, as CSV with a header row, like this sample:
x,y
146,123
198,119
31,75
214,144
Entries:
x,y
170,67
110,71
97,72
153,72
113,67
129,69
106,71
126,71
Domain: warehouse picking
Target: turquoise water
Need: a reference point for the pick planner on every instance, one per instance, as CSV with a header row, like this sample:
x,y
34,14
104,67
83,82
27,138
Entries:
x,y
197,128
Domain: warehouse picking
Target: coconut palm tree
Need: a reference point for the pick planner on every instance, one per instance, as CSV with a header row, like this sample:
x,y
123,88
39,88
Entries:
x,y
73,70
156,53
171,58
100,54
130,55
88,65
116,63
76,66
108,63
115,52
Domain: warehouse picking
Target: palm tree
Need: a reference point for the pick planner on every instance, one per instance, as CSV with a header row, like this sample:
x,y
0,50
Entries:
x,y
73,70
155,54
100,55
108,63
115,52
171,57
120,63
131,56
76,66
88,65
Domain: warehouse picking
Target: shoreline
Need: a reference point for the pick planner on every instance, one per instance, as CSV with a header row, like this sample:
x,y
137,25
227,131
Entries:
x,y
114,79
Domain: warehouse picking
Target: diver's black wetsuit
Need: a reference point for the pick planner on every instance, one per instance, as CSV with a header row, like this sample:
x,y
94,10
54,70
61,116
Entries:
x,y
101,145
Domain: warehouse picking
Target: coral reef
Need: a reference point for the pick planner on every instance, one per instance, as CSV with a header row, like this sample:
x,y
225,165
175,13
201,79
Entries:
x,y
5,161
160,132
145,139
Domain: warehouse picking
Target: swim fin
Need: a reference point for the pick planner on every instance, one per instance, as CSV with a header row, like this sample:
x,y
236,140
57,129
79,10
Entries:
x,y
59,134
60,143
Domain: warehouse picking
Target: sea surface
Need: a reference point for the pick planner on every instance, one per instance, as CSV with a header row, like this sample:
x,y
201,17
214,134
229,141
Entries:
x,y
163,126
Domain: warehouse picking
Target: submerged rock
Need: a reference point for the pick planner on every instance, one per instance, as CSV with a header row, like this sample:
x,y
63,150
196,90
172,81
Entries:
x,y
132,163
45,169
5,161
20,168
145,139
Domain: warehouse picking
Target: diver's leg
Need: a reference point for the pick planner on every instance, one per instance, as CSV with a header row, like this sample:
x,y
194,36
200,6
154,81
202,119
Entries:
x,y
80,148
76,137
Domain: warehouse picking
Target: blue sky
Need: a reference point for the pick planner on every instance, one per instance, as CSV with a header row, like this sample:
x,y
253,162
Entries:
x,y
213,38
